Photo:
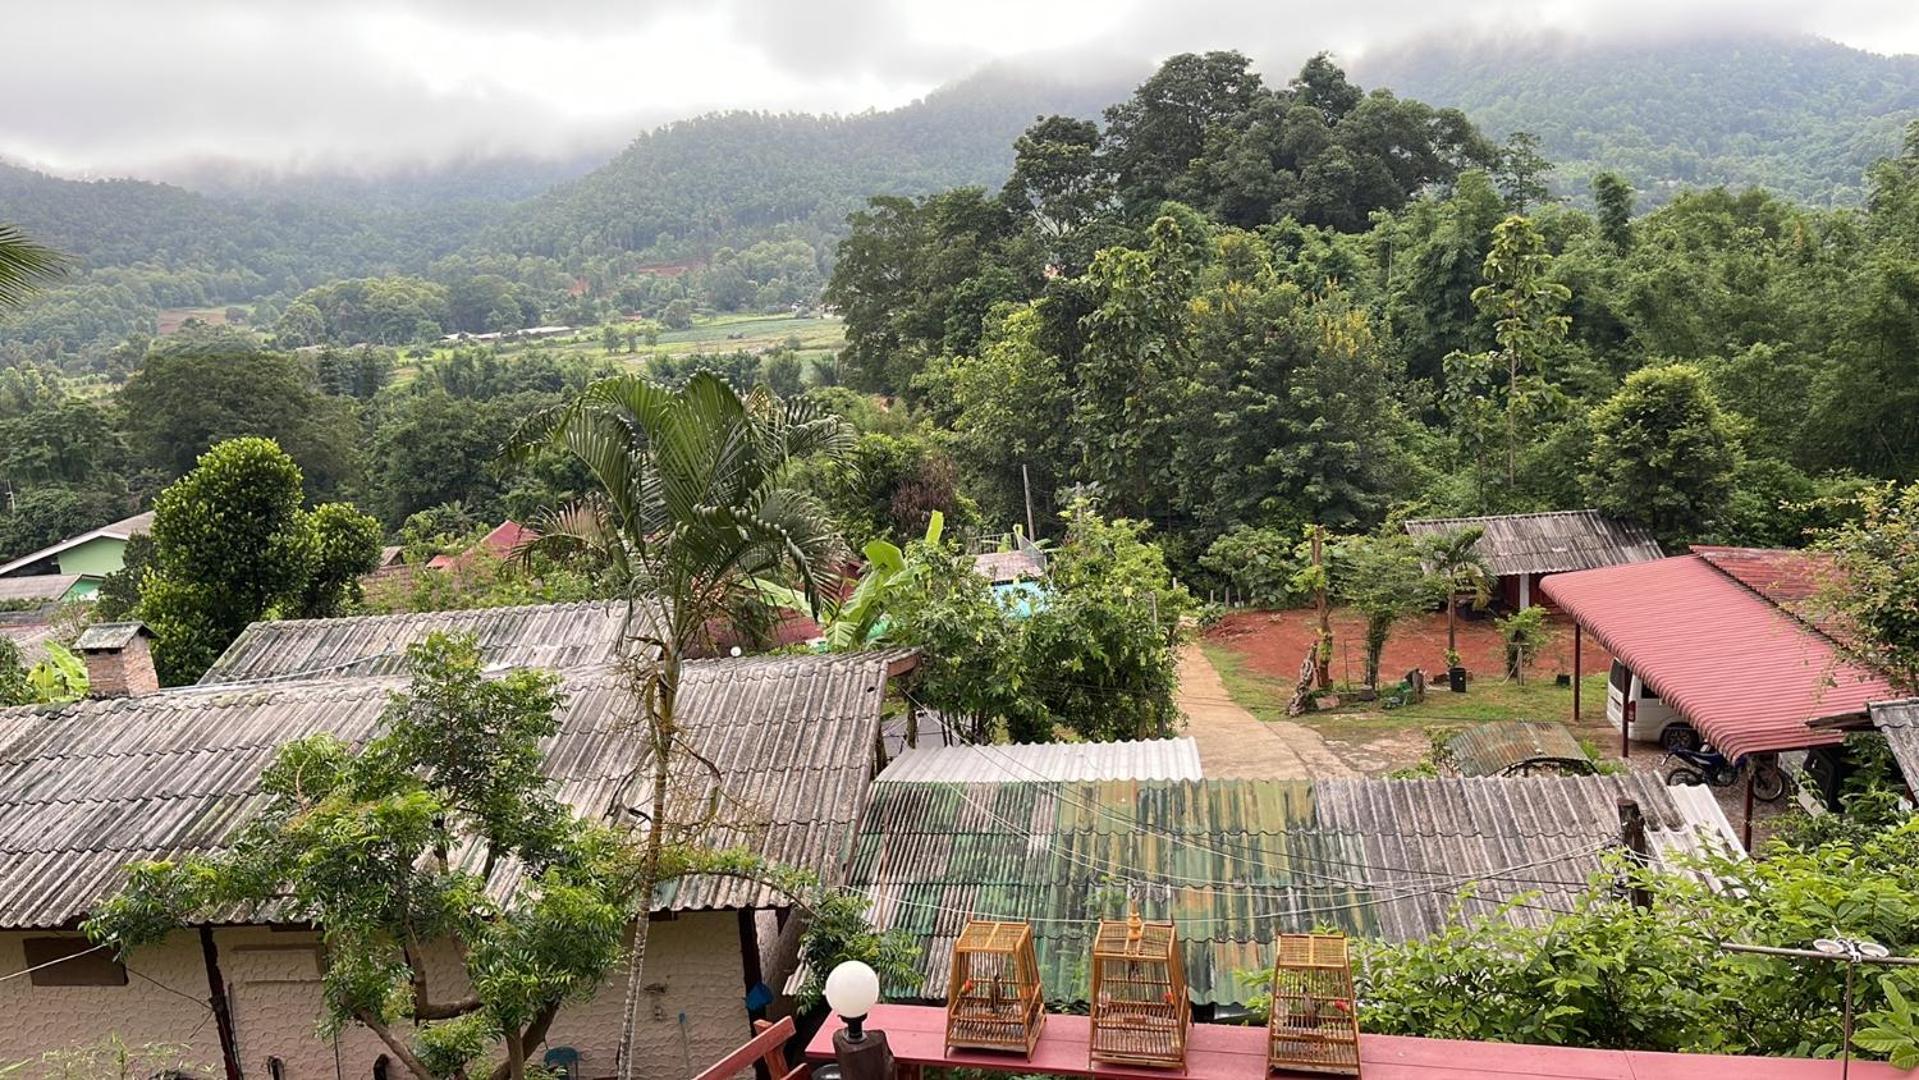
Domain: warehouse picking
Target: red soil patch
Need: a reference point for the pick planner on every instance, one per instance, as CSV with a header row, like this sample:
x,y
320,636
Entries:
x,y
1275,642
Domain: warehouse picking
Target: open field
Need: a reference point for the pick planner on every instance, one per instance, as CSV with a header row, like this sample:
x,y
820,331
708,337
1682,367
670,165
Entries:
x,y
171,319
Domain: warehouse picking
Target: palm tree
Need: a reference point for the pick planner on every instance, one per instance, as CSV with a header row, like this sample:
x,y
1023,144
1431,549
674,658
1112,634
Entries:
x,y
1455,558
695,507
24,265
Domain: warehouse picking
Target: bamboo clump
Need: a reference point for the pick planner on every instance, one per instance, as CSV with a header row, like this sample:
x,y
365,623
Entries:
x,y
1315,1023
994,1000
1140,1012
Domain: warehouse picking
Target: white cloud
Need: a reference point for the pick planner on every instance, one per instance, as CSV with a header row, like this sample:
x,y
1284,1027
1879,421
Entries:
x,y
126,84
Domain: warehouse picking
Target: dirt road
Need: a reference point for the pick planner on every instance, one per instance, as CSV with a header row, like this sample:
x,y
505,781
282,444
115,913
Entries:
x,y
1234,745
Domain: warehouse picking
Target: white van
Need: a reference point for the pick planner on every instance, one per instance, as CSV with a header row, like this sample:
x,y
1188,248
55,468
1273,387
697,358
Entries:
x,y
1631,704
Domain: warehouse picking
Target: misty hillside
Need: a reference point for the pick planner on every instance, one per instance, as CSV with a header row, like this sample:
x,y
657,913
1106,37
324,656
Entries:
x,y
727,178
1803,116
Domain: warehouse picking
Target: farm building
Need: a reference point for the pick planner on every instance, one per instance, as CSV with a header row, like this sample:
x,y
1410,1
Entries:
x,y
1522,548
1236,861
88,787
89,556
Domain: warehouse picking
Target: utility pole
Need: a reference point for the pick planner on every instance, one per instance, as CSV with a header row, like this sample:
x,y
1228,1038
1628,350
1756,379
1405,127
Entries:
x,y
1026,482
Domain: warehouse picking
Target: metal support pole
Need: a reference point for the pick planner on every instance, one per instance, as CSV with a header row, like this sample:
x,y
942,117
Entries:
x,y
1748,837
1578,668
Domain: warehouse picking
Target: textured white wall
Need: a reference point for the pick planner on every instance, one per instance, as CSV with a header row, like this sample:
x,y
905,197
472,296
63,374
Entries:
x,y
693,971
34,1019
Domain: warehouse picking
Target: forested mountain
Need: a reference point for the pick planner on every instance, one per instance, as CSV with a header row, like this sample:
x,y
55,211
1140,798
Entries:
x,y
746,208
1800,115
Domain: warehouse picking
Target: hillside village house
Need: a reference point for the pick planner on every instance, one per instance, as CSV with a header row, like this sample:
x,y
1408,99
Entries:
x,y
88,557
1521,549
87,788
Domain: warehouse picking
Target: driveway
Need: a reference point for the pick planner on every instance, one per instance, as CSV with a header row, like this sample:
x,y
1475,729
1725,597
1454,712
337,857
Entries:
x,y
1235,745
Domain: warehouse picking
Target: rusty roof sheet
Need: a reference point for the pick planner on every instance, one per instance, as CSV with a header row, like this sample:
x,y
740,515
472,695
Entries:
x,y
1515,745
88,787
1549,543
1235,861
1746,674
1141,759
536,635
1898,721
1020,564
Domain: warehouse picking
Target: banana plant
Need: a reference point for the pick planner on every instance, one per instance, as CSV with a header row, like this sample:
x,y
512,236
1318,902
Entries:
x,y
856,620
61,677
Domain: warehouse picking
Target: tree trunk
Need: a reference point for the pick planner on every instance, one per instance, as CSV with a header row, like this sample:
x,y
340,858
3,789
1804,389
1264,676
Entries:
x,y
660,731
1452,623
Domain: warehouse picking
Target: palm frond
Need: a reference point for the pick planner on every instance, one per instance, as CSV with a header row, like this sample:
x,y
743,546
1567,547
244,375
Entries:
x,y
25,265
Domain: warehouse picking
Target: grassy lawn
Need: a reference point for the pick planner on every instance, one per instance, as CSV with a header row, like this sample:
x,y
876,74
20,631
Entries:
x,y
1363,722
818,339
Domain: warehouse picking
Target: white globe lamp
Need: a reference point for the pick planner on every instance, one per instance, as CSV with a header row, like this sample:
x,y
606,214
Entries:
x,y
852,989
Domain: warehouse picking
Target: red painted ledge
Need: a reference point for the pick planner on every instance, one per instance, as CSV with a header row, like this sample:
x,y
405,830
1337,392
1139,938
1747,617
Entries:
x,y
917,1035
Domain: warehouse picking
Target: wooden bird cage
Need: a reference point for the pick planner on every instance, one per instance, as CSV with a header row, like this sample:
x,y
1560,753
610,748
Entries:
x,y
1140,1012
1315,1021
994,1000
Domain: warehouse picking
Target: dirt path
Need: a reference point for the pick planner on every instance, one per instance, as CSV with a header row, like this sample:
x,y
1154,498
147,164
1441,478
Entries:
x,y
1235,745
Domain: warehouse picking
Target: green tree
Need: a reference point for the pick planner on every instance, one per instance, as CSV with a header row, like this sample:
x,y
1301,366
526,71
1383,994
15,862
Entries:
x,y
1524,304
15,689
694,505
1384,578
457,760
1875,593
231,545
189,395
1521,172
1663,453
1456,561
1614,197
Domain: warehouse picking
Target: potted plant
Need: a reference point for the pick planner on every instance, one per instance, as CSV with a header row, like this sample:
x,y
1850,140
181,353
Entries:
x,y
1456,560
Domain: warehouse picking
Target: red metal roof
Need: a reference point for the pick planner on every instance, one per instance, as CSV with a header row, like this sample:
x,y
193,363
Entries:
x,y
917,1035
1748,675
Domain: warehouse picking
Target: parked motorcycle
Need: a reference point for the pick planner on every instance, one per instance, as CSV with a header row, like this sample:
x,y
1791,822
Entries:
x,y
1708,766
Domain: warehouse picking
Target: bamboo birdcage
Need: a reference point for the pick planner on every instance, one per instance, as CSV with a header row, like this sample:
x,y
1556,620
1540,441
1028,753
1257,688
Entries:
x,y
994,1000
1315,1021
1140,1013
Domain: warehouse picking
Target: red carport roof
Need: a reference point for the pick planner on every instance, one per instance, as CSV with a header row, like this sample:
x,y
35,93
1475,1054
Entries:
x,y
1749,676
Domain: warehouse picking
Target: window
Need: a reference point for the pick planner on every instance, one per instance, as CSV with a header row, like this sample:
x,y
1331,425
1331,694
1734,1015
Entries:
x,y
72,961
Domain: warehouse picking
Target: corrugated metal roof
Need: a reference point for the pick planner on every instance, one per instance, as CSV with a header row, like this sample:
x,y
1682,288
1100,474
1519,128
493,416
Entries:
x,y
37,586
1509,745
1787,578
86,788
1236,861
538,635
1144,759
1549,543
1899,722
1003,566
1746,674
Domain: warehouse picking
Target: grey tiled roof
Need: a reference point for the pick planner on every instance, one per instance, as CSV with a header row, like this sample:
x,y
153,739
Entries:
x,y
539,635
1551,542
86,788
1235,861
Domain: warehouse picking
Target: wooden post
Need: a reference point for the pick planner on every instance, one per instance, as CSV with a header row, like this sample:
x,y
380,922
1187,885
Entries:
x,y
1322,662
217,1001
1632,833
1578,669
868,1059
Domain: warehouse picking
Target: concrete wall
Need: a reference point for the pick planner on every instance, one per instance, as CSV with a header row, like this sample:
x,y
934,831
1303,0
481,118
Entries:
x,y
692,1013
101,555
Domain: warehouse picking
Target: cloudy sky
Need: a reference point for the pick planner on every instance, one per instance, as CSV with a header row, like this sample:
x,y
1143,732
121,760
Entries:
x,y
131,85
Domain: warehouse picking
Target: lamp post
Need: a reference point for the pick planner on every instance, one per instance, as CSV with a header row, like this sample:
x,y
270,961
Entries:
x,y
852,989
